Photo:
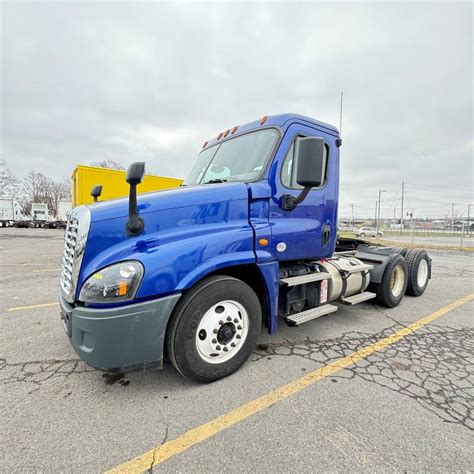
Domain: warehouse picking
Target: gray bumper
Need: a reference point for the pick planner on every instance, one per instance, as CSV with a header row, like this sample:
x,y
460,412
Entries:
x,y
128,337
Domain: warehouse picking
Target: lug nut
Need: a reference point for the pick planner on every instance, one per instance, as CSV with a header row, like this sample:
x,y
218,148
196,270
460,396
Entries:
x,y
236,320
239,327
221,322
218,348
233,344
238,336
214,341
226,349
215,331
229,318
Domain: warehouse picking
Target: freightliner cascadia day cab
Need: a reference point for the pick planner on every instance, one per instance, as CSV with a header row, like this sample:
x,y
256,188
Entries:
x,y
248,241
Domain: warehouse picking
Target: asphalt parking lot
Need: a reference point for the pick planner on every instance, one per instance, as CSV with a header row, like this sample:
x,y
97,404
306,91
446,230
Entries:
x,y
406,405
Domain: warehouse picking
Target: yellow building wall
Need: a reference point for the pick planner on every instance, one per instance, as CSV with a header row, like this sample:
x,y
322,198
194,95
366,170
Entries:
x,y
113,184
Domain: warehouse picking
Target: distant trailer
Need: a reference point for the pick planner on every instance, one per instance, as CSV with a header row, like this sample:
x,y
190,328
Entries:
x,y
113,184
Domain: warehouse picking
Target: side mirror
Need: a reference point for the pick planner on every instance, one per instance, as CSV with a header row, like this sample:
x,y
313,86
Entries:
x,y
135,173
96,191
311,159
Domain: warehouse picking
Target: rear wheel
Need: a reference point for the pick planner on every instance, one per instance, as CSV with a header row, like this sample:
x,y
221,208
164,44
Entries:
x,y
419,270
214,329
391,289
362,234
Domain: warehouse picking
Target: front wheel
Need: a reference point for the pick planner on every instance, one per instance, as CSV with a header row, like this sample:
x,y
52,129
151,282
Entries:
x,y
214,329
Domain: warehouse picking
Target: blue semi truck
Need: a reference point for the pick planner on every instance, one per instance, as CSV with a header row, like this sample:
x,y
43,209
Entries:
x,y
248,241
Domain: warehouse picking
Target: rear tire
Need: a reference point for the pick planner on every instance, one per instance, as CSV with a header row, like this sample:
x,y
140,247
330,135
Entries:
x,y
394,282
214,329
401,250
362,234
419,271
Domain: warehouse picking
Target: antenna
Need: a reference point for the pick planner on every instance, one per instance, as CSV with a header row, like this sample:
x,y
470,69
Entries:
x,y
340,115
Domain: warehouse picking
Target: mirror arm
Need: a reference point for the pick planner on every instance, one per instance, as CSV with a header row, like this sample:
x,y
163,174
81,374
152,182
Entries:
x,y
135,224
289,202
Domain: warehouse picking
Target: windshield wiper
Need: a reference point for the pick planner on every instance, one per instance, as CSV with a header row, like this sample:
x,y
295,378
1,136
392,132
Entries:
x,y
216,180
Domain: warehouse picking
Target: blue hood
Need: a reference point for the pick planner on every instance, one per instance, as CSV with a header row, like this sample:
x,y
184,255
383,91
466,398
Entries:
x,y
169,199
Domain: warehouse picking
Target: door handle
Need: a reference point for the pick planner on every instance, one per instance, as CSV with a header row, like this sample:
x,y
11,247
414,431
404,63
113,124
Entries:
x,y
326,235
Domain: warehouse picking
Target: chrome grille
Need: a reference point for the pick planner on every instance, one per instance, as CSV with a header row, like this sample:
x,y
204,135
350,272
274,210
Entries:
x,y
75,239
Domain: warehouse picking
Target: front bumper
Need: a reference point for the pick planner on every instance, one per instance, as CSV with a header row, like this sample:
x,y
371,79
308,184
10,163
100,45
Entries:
x,y
123,338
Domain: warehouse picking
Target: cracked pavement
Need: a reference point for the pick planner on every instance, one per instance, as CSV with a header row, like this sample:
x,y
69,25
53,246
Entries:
x,y
407,407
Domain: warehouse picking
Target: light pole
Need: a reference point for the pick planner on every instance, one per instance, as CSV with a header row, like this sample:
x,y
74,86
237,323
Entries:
x,y
452,217
468,219
378,213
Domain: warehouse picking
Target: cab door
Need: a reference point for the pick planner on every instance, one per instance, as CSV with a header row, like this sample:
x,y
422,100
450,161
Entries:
x,y
309,230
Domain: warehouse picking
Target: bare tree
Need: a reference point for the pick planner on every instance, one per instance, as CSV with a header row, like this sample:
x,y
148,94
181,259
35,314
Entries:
x,y
9,183
111,164
38,188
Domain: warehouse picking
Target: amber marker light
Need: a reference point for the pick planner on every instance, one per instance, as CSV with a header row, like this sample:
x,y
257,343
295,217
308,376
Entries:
x,y
122,288
234,129
219,136
263,119
226,132
263,242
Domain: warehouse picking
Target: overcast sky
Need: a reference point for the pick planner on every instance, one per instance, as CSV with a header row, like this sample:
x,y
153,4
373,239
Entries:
x,y
86,81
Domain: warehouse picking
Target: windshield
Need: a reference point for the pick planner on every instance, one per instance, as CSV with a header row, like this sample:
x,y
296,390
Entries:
x,y
239,159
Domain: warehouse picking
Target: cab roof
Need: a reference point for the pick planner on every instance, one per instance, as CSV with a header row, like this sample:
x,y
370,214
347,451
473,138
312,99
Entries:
x,y
282,121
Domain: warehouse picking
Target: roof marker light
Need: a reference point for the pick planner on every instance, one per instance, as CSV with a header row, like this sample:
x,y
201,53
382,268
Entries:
x,y
234,129
263,119
219,136
226,132
205,144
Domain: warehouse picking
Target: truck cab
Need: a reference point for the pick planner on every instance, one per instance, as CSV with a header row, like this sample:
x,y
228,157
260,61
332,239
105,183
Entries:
x,y
247,241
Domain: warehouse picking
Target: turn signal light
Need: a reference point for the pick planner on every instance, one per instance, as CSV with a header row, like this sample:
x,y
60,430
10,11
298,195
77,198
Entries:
x,y
122,288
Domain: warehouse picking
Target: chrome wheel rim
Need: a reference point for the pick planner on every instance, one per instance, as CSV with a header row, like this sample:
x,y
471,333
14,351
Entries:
x,y
222,332
422,275
397,281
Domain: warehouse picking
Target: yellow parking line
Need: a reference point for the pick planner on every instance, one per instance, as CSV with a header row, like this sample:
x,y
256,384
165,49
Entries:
x,y
33,306
196,435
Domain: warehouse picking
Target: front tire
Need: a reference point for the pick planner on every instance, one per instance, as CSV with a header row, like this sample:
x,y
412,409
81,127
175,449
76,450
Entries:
x,y
214,329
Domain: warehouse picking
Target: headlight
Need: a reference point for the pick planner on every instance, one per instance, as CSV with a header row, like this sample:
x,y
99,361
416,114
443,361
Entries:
x,y
118,282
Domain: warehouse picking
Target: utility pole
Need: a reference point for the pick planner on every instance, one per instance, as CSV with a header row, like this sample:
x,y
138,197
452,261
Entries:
x,y
352,206
468,216
378,214
401,215
452,217
375,218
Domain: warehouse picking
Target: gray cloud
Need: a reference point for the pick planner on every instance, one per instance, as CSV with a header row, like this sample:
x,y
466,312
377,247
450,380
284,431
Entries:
x,y
128,81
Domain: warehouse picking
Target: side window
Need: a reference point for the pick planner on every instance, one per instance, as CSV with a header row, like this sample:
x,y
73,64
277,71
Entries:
x,y
288,172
